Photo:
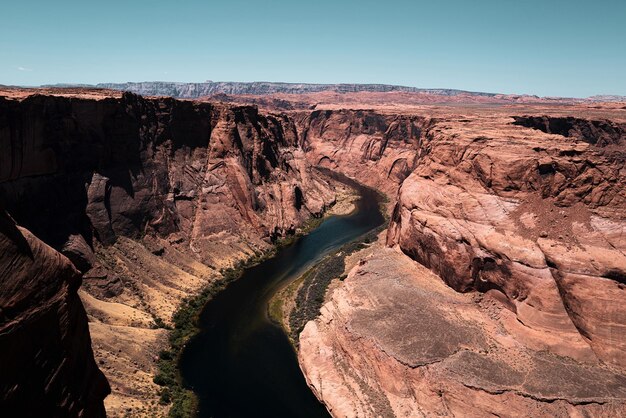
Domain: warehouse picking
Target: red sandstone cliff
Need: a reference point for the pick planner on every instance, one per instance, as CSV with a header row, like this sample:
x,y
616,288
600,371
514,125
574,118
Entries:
x,y
537,218
522,219
379,149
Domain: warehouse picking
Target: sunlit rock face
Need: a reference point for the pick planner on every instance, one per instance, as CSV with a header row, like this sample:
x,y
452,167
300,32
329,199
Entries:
x,y
536,217
500,292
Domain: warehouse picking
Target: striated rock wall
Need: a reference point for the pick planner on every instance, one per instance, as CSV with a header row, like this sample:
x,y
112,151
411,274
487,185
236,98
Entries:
x,y
376,148
126,166
47,367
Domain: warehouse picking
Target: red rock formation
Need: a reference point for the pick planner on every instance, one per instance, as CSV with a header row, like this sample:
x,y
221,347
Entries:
x,y
107,178
394,340
47,367
538,217
525,217
376,148
126,166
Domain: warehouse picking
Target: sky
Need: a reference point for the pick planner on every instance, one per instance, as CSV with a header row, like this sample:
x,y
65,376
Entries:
x,y
549,47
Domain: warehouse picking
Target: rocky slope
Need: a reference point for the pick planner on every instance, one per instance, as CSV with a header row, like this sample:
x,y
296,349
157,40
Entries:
x,y
149,199
500,294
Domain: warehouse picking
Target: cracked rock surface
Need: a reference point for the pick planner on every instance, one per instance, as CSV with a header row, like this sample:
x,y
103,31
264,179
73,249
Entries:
x,y
394,340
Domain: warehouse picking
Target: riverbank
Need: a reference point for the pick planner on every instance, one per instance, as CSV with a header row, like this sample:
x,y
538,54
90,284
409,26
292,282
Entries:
x,y
301,300
183,401
185,321
241,363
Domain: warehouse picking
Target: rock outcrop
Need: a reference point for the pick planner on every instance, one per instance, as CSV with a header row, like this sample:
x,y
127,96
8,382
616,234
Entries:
x,y
47,368
538,218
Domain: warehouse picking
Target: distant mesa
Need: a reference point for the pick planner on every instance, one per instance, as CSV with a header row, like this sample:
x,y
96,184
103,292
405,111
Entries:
x,y
261,88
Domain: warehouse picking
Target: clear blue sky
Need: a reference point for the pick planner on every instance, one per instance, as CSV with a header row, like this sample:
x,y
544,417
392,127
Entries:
x,y
545,47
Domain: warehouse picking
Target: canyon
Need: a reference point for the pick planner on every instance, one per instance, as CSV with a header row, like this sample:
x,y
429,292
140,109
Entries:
x,y
495,290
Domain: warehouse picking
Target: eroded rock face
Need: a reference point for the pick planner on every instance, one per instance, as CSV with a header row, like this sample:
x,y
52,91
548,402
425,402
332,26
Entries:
x,y
126,166
48,368
377,148
394,340
150,198
540,218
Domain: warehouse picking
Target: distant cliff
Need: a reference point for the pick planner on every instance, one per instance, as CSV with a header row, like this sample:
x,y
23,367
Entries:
x,y
193,90
264,88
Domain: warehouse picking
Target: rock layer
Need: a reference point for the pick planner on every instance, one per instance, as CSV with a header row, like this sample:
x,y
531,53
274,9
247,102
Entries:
x,y
515,224
48,368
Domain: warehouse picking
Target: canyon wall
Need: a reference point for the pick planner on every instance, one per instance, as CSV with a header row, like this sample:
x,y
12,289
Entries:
x,y
378,149
126,166
500,288
499,282
537,218
48,368
149,199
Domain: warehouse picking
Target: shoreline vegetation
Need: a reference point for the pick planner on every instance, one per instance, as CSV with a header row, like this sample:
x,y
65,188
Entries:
x,y
183,401
185,326
301,300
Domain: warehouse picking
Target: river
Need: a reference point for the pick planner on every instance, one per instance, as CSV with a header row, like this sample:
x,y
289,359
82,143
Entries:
x,y
241,364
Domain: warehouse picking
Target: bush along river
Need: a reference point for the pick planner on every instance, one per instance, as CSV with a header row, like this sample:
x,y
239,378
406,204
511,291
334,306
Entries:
x,y
241,364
